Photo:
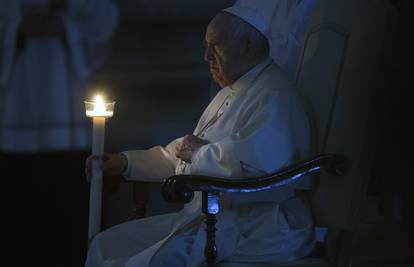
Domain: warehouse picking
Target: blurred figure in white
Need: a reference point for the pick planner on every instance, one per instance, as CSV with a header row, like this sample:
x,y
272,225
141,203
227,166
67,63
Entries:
x,y
48,51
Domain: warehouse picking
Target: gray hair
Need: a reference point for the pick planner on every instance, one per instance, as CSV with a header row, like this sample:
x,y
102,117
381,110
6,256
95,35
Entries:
x,y
238,29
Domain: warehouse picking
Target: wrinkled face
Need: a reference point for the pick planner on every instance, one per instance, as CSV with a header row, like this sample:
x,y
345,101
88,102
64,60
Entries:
x,y
222,53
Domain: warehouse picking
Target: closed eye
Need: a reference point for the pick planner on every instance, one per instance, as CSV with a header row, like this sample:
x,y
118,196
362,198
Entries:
x,y
212,46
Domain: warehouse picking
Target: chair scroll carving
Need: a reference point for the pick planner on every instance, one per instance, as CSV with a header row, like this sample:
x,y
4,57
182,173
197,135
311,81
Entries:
x,y
181,188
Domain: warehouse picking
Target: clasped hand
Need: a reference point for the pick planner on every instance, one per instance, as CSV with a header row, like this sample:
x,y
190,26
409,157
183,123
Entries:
x,y
190,143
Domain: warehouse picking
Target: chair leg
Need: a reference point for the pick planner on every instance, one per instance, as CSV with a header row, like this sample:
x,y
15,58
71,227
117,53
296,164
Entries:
x,y
210,251
210,207
140,196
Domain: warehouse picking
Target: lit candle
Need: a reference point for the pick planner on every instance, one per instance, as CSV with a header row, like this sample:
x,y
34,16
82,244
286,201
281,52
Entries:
x,y
99,111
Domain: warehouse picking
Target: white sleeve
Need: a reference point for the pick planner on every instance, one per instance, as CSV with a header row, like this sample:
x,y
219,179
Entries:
x,y
152,165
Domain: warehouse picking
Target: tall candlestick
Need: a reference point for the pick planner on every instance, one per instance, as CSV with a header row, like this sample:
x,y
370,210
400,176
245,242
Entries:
x,y
95,198
99,111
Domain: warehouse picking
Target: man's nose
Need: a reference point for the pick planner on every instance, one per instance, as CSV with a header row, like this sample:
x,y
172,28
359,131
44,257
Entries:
x,y
207,54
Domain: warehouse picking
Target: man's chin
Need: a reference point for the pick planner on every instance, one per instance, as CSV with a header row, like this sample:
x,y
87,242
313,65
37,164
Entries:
x,y
216,78
218,81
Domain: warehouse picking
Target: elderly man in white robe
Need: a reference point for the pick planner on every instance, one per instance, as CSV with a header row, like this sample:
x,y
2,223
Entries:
x,y
255,125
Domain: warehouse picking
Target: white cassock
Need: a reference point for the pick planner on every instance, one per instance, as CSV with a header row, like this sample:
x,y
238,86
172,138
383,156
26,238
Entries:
x,y
255,126
41,84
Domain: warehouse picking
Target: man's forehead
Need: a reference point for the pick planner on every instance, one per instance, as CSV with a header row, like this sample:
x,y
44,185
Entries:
x,y
216,29
213,34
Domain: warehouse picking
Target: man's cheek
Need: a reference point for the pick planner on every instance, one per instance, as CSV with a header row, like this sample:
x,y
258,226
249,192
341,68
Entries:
x,y
218,62
216,77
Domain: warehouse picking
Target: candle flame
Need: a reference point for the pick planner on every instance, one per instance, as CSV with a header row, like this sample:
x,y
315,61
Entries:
x,y
99,108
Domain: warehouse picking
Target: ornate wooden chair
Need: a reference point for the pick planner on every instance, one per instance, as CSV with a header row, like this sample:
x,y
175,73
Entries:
x,y
340,74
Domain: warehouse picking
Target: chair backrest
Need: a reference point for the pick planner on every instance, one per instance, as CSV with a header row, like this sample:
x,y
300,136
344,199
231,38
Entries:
x,y
341,71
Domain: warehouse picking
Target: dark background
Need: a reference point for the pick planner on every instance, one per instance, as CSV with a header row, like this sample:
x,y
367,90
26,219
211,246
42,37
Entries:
x,y
157,75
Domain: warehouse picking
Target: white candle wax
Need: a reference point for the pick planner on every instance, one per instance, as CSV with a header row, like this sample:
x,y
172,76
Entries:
x,y
95,201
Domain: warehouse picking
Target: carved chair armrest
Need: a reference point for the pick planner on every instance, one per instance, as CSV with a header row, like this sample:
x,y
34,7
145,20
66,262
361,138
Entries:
x,y
181,188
